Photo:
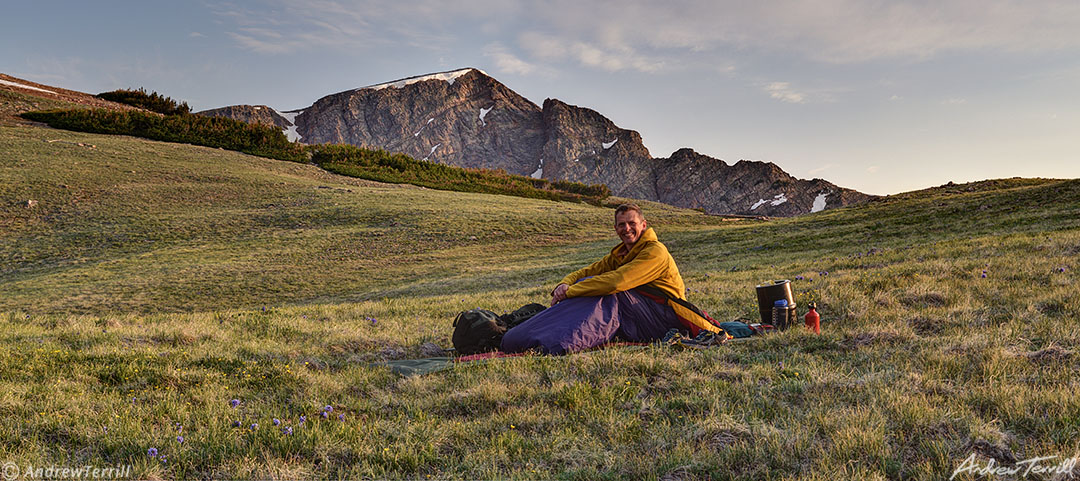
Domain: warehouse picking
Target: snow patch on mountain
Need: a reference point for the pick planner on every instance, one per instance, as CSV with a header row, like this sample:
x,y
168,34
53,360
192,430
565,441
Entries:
x,y
15,84
432,151
290,116
483,113
819,203
777,200
607,145
417,134
448,77
539,171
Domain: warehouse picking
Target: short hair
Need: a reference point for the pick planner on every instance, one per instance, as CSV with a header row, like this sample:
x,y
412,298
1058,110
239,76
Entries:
x,y
628,207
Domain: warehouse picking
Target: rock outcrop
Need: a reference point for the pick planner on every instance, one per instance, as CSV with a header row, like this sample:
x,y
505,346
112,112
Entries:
x,y
690,179
258,114
466,118
252,114
462,118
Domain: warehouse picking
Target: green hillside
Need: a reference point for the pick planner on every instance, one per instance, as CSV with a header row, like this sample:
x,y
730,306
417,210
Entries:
x,y
152,283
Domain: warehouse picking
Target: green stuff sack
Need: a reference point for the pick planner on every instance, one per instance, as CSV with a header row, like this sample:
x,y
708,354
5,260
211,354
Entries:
x,y
737,329
476,331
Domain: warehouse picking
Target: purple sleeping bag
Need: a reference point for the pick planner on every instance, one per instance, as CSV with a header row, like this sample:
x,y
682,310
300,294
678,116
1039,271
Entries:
x,y
580,323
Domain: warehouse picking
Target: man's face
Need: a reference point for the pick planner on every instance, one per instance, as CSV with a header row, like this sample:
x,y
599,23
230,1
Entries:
x,y
629,225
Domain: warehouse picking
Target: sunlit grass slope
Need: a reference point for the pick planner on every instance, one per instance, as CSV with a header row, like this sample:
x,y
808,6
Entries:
x,y
131,225
153,283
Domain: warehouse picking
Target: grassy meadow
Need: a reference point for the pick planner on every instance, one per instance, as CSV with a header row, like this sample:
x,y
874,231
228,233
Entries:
x,y
151,284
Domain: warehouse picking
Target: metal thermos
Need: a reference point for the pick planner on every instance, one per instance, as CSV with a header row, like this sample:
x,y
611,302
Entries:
x,y
780,314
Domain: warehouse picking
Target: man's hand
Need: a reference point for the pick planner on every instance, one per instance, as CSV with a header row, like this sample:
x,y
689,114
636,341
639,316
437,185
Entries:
x,y
559,294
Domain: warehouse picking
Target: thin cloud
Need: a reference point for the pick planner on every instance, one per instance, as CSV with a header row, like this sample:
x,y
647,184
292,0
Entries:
x,y
611,59
783,92
261,45
834,31
823,168
508,62
280,26
53,70
648,36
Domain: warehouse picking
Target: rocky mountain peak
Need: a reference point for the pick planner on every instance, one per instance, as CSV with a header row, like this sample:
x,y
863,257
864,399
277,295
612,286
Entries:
x,y
462,117
467,118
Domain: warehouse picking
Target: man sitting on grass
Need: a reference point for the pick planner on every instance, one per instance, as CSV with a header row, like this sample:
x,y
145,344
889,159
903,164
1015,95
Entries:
x,y
634,293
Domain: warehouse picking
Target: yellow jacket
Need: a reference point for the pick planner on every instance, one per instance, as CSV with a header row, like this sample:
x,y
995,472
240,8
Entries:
x,y
647,263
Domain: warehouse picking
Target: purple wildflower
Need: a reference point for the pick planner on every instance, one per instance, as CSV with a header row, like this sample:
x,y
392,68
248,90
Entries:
x,y
180,439
325,415
302,419
164,460
152,452
277,422
328,408
236,424
179,428
341,417
234,403
984,275
254,426
286,430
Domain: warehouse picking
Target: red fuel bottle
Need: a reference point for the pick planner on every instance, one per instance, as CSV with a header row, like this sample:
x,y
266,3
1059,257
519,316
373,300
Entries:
x,y
813,320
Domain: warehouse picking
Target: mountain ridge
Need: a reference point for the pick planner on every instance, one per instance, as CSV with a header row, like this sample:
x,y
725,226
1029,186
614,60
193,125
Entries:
x,y
467,118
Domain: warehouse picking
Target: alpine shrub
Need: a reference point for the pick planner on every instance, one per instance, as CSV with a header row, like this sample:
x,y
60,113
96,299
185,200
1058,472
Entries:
x,y
153,101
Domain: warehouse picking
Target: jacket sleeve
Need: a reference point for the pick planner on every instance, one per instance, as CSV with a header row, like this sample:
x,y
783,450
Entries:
x,y
607,263
649,264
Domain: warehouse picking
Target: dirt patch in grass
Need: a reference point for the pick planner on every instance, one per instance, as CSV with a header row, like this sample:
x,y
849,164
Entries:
x,y
1051,308
682,473
1050,354
928,299
926,326
998,451
865,339
719,439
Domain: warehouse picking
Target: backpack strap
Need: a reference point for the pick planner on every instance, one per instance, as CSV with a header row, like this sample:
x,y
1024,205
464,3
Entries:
x,y
690,316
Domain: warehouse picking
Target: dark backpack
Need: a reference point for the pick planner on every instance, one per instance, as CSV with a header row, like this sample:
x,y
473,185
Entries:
x,y
521,315
476,331
480,330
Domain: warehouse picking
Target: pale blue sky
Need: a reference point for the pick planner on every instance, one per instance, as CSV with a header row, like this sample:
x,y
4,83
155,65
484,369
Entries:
x,y
879,96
